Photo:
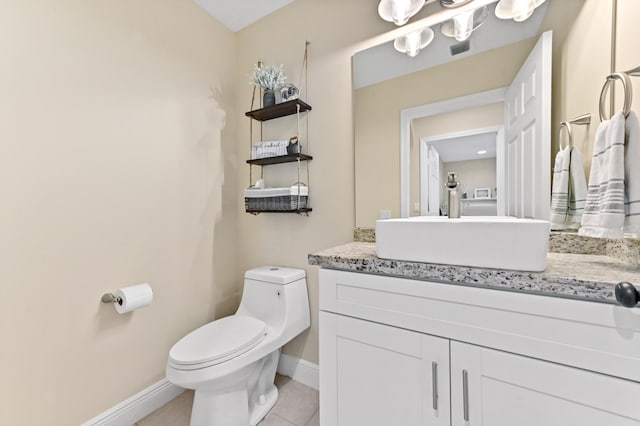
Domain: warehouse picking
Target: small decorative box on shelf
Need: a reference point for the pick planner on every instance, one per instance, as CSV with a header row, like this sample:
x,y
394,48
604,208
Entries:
x,y
286,199
279,110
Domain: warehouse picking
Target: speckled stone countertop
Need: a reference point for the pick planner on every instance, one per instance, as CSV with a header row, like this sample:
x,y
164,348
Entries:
x,y
575,276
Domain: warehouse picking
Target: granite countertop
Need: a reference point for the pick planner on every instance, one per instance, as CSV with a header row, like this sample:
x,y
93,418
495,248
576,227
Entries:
x,y
575,276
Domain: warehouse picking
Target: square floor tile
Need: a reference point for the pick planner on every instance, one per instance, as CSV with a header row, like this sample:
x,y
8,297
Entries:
x,y
315,420
175,413
297,403
273,419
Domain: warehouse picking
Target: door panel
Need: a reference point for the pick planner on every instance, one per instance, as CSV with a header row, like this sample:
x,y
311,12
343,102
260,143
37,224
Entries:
x,y
528,135
383,375
506,389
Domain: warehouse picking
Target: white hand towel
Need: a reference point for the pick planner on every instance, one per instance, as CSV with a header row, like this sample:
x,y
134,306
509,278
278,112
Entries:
x,y
577,189
604,210
560,190
632,177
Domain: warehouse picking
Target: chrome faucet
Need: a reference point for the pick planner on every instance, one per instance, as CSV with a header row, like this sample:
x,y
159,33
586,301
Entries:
x,y
453,207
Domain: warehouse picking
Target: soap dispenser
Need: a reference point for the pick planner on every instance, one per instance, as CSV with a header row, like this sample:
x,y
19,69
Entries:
x,y
453,195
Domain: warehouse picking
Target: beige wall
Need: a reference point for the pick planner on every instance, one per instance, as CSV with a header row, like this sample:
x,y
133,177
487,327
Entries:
x,y
114,170
473,174
335,29
442,124
627,55
377,118
581,64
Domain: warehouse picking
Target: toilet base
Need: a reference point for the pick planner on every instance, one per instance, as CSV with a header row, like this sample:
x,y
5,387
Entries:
x,y
230,408
260,410
242,398
216,408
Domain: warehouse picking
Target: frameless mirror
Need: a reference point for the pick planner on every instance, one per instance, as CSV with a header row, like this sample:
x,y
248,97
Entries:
x,y
417,118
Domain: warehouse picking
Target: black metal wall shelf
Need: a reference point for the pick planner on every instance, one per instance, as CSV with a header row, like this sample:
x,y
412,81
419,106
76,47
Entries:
x,y
278,110
291,158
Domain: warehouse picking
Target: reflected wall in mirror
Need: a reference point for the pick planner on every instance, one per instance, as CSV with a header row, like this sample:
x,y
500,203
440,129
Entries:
x,y
581,61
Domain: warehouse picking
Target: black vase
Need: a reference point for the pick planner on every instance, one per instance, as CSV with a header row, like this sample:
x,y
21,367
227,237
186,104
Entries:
x,y
268,98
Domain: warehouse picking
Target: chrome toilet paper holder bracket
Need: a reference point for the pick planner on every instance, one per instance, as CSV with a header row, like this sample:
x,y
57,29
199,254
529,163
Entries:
x,y
111,298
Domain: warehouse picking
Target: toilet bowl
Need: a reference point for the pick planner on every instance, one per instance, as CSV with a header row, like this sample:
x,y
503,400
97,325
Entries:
x,y
231,362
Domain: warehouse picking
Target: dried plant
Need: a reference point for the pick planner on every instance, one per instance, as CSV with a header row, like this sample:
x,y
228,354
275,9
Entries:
x,y
267,76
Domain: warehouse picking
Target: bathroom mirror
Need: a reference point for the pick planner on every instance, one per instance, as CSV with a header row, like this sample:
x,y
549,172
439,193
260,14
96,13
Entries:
x,y
388,83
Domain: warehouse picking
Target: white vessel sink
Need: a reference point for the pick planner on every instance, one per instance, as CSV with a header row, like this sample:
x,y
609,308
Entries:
x,y
481,241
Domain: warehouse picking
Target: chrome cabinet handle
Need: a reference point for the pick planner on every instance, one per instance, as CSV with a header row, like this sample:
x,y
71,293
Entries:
x,y
465,395
434,384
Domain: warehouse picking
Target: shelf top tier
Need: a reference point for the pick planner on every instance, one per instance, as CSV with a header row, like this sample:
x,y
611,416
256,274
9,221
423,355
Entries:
x,y
278,110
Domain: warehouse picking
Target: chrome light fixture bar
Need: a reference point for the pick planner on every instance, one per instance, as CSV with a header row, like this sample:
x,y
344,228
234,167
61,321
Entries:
x,y
452,4
518,10
399,11
414,42
462,25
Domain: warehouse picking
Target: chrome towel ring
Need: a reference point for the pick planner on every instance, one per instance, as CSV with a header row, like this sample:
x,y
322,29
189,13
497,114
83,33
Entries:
x,y
581,120
565,125
626,85
628,94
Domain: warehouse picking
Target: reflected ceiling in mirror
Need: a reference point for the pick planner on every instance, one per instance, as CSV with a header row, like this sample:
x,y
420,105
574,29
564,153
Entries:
x,y
465,148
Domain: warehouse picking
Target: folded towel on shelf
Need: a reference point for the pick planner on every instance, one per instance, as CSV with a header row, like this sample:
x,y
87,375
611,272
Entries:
x,y
604,210
632,177
560,190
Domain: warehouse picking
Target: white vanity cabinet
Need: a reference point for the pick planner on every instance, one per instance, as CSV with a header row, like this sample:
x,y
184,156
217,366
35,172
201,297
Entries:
x,y
495,388
382,375
404,352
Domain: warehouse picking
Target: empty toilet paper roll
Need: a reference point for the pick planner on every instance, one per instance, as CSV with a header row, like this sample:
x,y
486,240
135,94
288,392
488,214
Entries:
x,y
131,298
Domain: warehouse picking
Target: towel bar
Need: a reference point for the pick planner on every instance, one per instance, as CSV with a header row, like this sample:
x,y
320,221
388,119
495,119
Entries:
x,y
581,120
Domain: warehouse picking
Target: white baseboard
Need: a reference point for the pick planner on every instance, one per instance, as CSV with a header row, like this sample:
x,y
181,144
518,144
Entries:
x,y
300,370
155,396
138,406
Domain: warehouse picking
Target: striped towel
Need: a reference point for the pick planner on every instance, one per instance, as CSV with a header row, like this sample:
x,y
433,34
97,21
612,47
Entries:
x,y
560,190
604,210
632,177
577,189
569,190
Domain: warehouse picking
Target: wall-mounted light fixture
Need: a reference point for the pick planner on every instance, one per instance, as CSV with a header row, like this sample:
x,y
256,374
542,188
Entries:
x,y
518,10
452,4
399,11
414,42
462,25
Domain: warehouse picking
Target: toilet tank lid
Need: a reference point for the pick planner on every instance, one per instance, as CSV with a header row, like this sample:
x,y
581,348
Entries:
x,y
275,274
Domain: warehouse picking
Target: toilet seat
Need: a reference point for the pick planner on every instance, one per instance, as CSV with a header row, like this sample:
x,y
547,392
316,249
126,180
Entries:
x,y
217,342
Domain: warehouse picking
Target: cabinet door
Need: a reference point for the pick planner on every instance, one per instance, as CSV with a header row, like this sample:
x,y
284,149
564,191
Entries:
x,y
494,388
373,374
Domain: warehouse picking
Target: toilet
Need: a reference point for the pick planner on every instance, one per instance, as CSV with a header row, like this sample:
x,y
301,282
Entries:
x,y
231,362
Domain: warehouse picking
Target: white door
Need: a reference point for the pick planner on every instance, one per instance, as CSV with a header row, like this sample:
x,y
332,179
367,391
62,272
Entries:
x,y
429,180
494,388
376,375
528,135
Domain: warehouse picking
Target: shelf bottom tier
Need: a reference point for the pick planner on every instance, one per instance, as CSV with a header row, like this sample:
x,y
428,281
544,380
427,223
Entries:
x,y
299,211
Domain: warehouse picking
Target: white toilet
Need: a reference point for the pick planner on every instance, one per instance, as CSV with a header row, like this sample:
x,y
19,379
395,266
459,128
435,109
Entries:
x,y
231,362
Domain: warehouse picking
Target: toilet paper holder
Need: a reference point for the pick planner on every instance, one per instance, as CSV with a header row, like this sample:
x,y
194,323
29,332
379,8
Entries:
x,y
111,298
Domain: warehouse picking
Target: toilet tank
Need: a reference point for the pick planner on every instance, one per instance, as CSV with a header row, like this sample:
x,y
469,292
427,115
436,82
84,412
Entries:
x,y
277,296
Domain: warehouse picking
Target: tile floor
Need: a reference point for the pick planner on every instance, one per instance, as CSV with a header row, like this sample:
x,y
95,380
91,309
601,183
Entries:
x,y
297,406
